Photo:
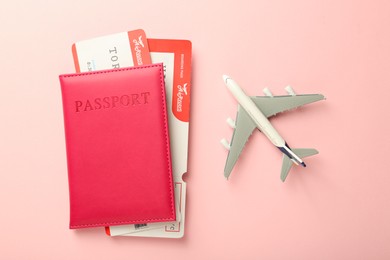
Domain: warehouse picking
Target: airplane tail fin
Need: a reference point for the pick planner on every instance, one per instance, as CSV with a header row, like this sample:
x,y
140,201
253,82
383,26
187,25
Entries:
x,y
300,152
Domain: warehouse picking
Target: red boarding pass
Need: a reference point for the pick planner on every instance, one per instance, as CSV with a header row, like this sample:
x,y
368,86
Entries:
x,y
131,48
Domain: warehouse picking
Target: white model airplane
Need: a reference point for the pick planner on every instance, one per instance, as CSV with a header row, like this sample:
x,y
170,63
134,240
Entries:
x,y
253,112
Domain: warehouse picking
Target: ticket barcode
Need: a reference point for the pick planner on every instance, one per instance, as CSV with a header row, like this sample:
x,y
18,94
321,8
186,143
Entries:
x,y
139,226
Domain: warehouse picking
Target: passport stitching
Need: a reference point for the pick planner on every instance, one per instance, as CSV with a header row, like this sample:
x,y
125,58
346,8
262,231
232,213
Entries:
x,y
166,139
110,71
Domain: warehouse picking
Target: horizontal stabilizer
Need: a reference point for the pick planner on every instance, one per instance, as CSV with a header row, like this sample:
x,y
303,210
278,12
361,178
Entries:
x,y
301,153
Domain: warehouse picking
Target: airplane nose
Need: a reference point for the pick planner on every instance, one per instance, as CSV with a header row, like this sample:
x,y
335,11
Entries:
x,y
225,78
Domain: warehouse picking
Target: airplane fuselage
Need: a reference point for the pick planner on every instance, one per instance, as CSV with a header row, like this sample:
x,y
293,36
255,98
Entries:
x,y
261,121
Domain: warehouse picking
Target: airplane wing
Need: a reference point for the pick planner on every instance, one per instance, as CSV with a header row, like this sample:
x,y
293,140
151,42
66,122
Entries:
x,y
244,128
271,106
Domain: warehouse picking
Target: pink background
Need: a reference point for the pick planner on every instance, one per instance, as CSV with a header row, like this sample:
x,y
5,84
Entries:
x,y
336,208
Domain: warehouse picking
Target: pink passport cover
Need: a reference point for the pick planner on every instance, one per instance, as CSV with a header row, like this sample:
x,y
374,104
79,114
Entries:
x,y
117,144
